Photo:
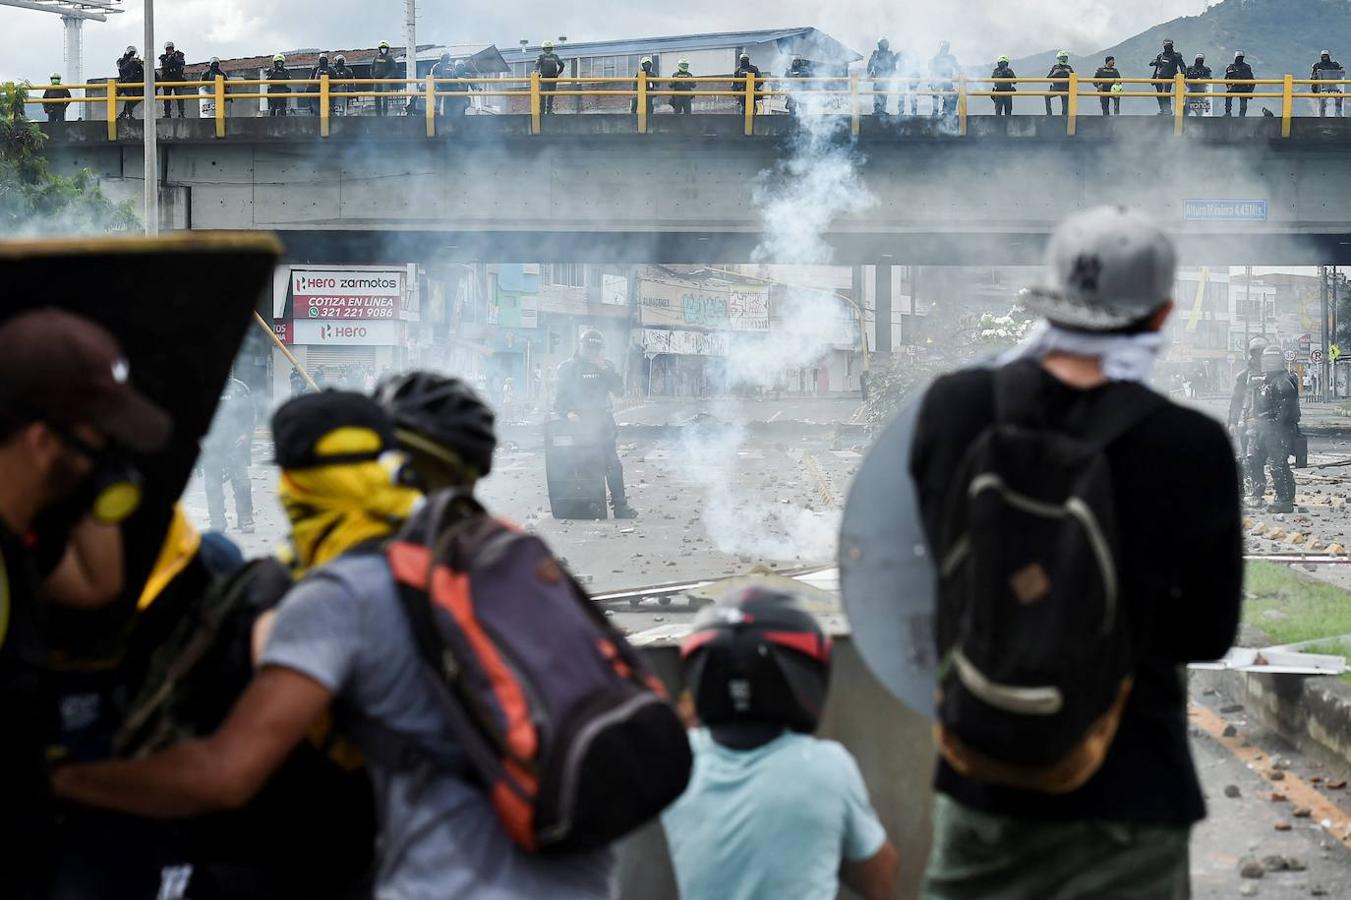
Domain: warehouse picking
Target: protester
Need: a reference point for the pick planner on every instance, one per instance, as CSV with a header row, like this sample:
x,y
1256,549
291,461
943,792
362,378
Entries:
x,y
67,413
1068,773
342,636
443,425
771,811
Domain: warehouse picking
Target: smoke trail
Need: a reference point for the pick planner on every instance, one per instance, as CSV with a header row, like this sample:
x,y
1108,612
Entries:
x,y
798,200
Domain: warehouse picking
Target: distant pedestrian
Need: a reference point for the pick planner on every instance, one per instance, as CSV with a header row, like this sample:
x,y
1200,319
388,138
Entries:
x,y
1107,81
550,67
56,112
1003,91
1238,70
771,811
1075,582
173,68
384,66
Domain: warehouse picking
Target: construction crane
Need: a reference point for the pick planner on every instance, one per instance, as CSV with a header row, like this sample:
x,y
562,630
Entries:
x,y
73,15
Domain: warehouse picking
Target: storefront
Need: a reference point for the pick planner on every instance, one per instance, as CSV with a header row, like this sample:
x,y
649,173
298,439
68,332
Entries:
x,y
347,325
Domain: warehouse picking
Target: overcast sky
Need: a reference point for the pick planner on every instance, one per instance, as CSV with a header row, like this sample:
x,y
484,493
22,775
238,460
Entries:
x,y
978,29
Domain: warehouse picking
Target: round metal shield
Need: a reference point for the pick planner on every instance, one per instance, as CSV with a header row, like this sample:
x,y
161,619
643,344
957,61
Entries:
x,y
887,576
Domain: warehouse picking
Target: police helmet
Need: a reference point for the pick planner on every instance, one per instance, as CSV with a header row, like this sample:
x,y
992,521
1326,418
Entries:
x,y
1257,344
323,59
1063,56
461,68
433,413
884,44
684,63
745,57
445,57
384,45
56,78
1200,58
215,60
647,61
341,60
548,45
1003,59
1273,360
592,340
279,58
168,45
1326,54
943,47
1167,43
1238,55
757,655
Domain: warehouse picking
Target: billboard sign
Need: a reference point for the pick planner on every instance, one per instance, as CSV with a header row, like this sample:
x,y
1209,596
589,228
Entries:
x,y
351,294
1224,210
380,333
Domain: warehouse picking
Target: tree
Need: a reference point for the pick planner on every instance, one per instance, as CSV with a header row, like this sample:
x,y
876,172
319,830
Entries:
x,y
35,201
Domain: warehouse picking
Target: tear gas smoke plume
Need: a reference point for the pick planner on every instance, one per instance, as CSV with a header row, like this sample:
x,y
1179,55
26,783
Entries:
x,y
815,184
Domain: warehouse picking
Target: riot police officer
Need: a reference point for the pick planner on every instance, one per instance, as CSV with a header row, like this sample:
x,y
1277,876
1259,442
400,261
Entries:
x,y
56,112
1061,70
943,69
585,384
444,68
743,69
1272,437
1108,81
683,83
316,73
384,65
1240,401
1003,91
1238,70
173,65
1329,70
131,72
343,75
1198,71
882,70
278,72
226,454
798,68
550,66
644,68
1166,65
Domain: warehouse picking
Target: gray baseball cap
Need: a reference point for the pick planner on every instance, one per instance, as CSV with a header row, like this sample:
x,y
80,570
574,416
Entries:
x,y
1106,268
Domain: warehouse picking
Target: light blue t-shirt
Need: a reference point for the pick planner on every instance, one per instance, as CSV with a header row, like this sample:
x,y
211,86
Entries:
x,y
439,836
770,823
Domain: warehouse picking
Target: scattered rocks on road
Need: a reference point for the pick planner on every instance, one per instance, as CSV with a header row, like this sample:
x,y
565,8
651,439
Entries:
x,y
1230,731
1276,775
1232,792
1275,863
1231,708
1251,868
1282,825
1248,890
1335,785
1301,812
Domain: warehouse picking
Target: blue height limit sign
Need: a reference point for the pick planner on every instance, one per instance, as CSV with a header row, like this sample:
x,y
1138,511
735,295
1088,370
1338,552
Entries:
x,y
1224,210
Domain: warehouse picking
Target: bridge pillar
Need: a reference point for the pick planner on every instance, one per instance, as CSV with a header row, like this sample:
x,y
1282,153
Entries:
x,y
882,307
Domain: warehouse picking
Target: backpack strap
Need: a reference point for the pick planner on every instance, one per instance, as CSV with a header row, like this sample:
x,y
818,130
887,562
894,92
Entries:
x,y
1017,390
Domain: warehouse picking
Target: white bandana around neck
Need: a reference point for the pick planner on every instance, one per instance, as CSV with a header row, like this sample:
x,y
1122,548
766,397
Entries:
x,y
1125,357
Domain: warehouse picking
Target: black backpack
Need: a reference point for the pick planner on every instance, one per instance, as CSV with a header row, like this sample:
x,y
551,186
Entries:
x,y
1033,636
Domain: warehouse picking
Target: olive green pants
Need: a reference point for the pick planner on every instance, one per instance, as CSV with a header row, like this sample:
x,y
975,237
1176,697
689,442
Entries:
x,y
979,856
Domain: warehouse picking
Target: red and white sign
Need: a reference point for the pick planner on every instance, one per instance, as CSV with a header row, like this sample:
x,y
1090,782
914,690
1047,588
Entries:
x,y
348,294
282,329
379,333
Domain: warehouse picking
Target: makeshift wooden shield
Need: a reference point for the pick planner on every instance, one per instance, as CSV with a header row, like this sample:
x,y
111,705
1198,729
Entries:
x,y
179,305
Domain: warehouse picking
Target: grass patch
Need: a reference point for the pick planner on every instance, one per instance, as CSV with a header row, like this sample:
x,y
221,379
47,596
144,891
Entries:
x,y
1291,608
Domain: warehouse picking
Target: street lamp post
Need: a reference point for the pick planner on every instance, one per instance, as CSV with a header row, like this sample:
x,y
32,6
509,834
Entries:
x,y
150,148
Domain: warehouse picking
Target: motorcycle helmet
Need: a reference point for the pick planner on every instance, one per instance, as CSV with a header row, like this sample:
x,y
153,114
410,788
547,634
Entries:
x,y
757,655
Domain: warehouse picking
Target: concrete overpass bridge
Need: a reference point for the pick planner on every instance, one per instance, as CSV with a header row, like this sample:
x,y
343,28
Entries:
x,y
590,189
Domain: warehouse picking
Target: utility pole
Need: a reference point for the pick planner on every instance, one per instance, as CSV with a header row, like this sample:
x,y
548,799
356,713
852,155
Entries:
x,y
151,147
1327,345
1333,305
410,38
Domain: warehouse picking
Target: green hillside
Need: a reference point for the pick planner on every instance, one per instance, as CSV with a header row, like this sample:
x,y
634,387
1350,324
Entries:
x,y
1279,36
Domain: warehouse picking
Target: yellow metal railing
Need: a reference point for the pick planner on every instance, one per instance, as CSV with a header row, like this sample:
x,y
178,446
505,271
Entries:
x,y
842,95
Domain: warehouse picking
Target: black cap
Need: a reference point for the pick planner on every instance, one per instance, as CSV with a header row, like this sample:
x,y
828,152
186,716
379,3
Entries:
x,y
298,425
69,371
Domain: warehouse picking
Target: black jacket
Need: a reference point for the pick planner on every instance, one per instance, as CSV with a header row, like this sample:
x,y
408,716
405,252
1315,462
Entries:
x,y
278,73
1166,65
944,66
1198,71
741,73
54,92
1277,400
1239,71
1060,70
1105,72
385,66
1003,71
1330,65
549,65
172,65
685,82
343,73
209,76
1175,488
585,387
882,63
130,69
